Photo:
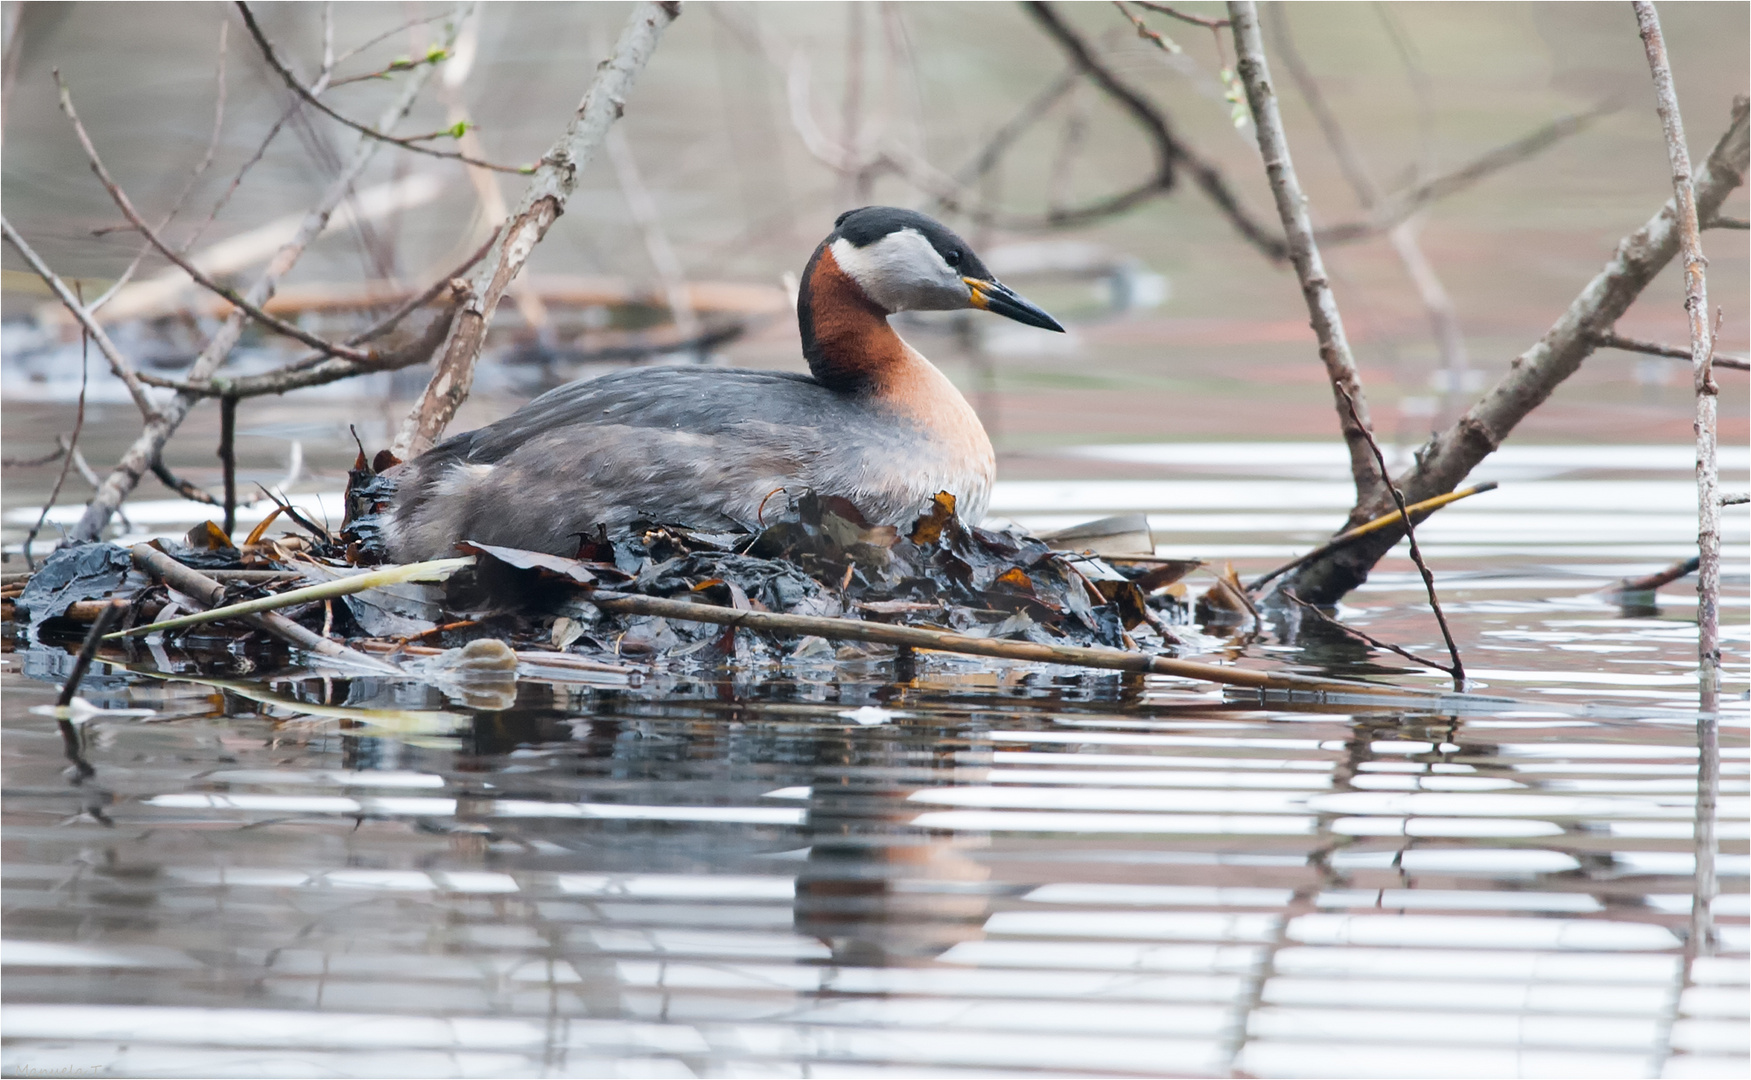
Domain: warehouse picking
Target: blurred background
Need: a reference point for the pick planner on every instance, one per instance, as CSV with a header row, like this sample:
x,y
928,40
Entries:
x,y
755,125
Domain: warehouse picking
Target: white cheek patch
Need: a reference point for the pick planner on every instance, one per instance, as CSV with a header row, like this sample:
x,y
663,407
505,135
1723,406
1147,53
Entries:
x,y
903,272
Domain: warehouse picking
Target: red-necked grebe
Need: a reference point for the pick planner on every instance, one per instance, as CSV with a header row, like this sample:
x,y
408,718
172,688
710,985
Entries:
x,y
873,421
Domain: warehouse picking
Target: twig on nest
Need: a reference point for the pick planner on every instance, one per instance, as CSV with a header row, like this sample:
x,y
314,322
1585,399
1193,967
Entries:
x,y
1026,651
203,589
406,142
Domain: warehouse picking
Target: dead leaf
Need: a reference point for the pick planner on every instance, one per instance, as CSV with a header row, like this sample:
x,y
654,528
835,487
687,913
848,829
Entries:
x,y
556,565
929,527
208,536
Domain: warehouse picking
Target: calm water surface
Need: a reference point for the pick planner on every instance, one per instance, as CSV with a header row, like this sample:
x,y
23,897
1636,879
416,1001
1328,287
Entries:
x,y
834,871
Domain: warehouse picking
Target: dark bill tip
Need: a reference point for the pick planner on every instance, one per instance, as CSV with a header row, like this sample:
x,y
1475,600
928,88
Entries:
x,y
1000,299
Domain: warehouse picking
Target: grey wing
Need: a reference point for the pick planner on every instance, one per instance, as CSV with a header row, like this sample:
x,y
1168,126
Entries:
x,y
703,400
701,446
559,484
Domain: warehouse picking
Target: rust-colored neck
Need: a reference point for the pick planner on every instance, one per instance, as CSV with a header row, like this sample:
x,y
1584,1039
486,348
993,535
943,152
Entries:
x,y
847,341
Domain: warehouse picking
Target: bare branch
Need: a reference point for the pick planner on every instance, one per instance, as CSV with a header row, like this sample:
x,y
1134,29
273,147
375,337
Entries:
x,y
1401,205
405,142
1452,454
1170,154
36,462
540,207
1611,339
1196,20
230,295
1322,307
138,457
117,362
1721,221
1708,501
303,373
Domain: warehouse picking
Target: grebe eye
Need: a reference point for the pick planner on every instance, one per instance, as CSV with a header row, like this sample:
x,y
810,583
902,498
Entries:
x,y
953,258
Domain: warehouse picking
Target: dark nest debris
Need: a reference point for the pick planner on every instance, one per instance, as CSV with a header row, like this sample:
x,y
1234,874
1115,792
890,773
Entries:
x,y
820,558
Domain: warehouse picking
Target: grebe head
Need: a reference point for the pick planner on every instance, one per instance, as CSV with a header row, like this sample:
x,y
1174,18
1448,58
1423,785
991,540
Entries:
x,y
906,261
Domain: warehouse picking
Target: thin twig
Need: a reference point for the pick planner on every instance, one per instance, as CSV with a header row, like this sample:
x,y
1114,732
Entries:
x,y
1679,569
138,457
321,370
436,56
385,36
230,295
1438,306
88,325
318,369
1611,339
1410,532
72,440
1320,614
182,487
188,186
1419,511
36,462
1174,13
405,142
1722,221
1162,41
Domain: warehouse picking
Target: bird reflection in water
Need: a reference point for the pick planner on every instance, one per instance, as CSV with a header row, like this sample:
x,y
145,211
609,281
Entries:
x,y
876,891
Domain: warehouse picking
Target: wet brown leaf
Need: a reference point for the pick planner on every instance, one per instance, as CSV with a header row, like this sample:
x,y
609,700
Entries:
x,y
929,527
